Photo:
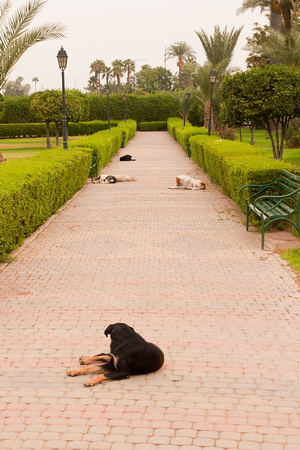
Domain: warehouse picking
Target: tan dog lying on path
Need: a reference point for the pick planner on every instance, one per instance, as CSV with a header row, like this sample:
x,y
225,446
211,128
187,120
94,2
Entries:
x,y
106,179
185,182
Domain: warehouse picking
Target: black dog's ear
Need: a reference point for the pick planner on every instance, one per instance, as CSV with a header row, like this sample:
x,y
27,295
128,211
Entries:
x,y
108,329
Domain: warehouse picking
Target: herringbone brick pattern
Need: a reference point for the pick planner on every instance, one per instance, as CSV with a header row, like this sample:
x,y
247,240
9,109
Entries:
x,y
180,268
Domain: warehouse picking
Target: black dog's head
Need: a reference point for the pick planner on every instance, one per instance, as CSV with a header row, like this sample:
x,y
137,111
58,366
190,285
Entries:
x,y
118,326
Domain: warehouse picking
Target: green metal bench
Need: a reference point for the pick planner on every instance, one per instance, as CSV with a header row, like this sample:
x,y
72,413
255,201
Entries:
x,y
278,200
96,158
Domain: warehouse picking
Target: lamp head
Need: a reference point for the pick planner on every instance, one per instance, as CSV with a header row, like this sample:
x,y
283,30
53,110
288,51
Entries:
x,y
62,58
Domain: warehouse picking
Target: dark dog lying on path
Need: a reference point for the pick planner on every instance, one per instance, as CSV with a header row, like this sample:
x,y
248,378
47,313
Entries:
x,y
126,158
129,355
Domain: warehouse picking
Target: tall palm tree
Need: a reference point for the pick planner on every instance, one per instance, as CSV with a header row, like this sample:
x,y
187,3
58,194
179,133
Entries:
x,y
98,67
16,37
182,51
279,10
219,48
129,66
118,72
35,80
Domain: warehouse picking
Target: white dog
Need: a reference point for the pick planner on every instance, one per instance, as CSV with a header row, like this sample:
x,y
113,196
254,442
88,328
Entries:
x,y
106,179
185,182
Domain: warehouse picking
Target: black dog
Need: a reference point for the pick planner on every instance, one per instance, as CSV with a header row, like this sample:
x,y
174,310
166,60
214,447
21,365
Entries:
x,y
126,158
129,355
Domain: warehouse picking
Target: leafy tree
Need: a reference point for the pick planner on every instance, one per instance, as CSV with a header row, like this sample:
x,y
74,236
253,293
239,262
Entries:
x,y
255,44
47,107
16,37
182,51
16,88
270,95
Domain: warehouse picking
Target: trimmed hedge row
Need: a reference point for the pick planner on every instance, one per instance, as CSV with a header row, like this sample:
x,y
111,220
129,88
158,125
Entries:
x,y
106,143
182,133
231,164
147,108
32,189
14,130
152,126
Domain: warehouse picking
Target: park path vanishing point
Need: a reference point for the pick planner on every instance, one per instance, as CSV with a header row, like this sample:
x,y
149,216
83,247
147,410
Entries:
x,y
181,269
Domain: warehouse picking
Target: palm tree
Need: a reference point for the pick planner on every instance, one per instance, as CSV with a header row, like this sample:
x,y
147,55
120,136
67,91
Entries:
x,y
107,74
35,80
118,72
16,37
97,67
219,48
182,51
129,66
283,48
279,10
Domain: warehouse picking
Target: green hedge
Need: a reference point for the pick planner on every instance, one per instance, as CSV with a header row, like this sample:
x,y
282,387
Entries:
x,y
152,126
107,143
32,189
183,133
233,164
146,108
14,130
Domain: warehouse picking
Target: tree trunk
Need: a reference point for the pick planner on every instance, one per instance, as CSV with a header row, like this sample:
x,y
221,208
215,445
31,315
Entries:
x,y
48,135
240,130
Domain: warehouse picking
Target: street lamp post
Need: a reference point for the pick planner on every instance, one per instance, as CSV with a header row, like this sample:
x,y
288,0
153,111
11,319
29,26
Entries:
x,y
187,97
107,91
124,100
212,80
62,59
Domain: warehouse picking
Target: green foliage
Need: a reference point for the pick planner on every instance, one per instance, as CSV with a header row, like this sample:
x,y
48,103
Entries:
x,y
39,129
17,110
106,143
32,189
152,126
233,164
148,108
269,95
293,257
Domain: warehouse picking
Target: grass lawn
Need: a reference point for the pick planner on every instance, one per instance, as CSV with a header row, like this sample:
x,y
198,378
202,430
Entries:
x,y
262,140
25,147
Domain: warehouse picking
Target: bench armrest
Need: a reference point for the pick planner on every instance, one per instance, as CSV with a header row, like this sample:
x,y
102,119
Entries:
x,y
261,186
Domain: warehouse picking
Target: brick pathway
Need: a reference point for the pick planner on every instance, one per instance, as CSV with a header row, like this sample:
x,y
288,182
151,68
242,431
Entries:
x,y
181,269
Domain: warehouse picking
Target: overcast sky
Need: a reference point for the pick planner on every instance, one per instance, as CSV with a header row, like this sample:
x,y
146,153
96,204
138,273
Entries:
x,y
131,29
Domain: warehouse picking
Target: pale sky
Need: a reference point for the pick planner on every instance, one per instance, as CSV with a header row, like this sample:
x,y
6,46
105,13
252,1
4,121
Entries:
x,y
131,29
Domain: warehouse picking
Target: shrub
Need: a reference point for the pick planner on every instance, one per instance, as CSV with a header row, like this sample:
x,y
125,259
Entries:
x,y
32,189
152,126
14,130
